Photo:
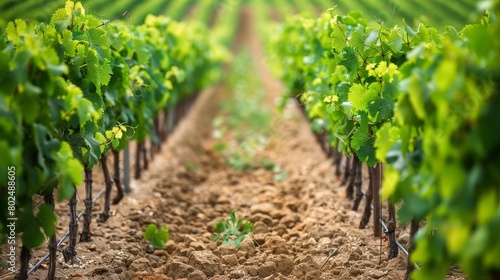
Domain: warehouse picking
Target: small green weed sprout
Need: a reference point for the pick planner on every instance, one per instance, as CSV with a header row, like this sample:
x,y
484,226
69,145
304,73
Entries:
x,y
233,230
157,237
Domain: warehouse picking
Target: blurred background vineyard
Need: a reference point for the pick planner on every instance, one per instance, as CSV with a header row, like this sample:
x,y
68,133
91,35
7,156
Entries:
x,y
438,13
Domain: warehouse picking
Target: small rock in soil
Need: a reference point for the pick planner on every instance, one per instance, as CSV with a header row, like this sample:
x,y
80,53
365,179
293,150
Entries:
x,y
170,246
275,244
161,253
280,230
206,262
99,271
155,260
77,274
230,260
353,257
236,274
116,245
309,243
248,247
290,220
91,247
177,269
321,232
267,269
284,264
377,274
198,246
260,227
301,270
263,208
355,272
219,277
223,200
324,241
259,239
226,250
197,275
149,249
266,219
313,275
141,264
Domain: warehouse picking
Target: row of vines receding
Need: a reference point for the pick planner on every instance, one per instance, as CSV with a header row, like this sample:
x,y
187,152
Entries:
x,y
423,104
77,89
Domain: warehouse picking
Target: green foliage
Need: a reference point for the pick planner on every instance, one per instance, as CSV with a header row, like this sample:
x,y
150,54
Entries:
x,y
77,86
157,237
421,101
233,230
442,151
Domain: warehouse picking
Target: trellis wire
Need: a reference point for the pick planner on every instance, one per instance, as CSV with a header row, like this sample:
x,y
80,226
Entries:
x,y
384,227
35,267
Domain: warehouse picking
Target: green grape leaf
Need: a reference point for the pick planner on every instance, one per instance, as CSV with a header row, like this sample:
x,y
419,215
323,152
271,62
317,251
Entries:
x,y
371,37
386,138
32,236
92,145
356,40
382,108
68,43
98,40
349,59
338,37
409,30
395,40
61,19
360,97
47,219
362,142
99,74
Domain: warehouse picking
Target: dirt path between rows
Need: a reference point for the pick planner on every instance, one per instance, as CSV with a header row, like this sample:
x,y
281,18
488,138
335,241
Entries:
x,y
299,222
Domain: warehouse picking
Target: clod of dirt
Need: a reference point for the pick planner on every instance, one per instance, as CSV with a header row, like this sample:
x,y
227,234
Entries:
x,y
170,246
284,264
225,250
377,274
246,249
99,271
141,264
197,275
205,261
230,260
236,274
267,269
177,269
313,275
117,245
262,208
266,219
219,277
260,227
290,220
305,265
275,244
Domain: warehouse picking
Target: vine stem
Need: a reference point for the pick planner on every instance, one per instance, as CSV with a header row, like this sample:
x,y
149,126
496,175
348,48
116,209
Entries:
x,y
104,22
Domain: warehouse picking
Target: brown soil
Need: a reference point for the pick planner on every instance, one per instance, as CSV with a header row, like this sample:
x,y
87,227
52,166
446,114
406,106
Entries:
x,y
299,222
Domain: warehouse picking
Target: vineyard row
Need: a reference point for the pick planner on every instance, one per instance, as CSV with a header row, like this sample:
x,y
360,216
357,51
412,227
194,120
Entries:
x,y
77,89
421,102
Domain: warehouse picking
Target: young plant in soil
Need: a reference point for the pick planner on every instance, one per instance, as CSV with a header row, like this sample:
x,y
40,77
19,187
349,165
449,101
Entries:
x,y
233,230
157,237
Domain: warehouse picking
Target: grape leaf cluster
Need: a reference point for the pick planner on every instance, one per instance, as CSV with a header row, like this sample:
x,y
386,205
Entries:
x,y
424,103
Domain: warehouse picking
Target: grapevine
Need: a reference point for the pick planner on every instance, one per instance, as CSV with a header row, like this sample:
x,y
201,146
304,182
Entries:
x,y
417,100
75,89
